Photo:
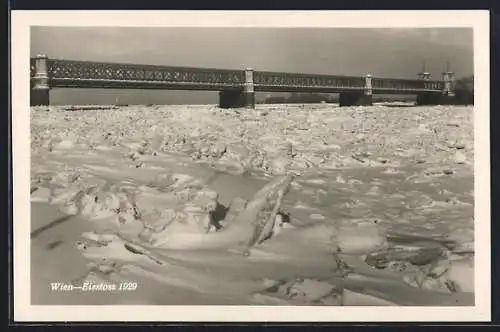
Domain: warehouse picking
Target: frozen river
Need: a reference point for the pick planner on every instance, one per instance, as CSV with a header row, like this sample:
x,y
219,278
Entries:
x,y
284,205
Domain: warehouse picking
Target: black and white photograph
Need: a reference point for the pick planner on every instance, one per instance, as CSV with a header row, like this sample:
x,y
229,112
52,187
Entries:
x,y
326,166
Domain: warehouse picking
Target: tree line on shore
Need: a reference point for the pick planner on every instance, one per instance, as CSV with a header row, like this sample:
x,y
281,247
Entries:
x,y
464,90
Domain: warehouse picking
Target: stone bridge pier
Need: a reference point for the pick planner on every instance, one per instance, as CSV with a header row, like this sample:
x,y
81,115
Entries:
x,y
239,98
231,99
40,88
358,98
447,96
429,98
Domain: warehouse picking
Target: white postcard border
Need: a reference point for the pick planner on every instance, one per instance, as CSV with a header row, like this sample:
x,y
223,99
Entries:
x,y
21,21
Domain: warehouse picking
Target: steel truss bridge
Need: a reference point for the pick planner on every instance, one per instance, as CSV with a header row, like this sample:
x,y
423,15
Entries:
x,y
236,87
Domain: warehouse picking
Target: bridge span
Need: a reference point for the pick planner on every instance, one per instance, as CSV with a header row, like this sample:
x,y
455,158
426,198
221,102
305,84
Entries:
x,y
236,87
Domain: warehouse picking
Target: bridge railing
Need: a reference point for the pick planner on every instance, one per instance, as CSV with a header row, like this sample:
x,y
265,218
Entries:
x,y
391,84
288,79
69,70
69,73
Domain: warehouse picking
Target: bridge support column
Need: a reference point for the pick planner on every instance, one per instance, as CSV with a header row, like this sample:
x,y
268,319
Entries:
x,y
449,87
428,99
449,80
355,99
446,98
368,85
435,99
364,98
40,89
248,89
239,98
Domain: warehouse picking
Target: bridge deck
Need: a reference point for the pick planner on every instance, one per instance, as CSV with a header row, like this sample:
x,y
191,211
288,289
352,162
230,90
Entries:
x,y
87,74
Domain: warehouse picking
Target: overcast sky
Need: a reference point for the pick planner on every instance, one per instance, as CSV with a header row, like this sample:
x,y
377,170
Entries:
x,y
381,52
